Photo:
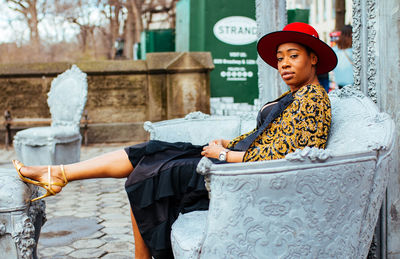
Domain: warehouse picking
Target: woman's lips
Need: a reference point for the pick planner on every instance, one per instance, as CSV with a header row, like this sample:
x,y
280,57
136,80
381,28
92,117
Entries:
x,y
287,75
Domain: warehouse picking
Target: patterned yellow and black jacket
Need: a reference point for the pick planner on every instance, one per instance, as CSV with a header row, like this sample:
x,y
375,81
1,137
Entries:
x,y
305,122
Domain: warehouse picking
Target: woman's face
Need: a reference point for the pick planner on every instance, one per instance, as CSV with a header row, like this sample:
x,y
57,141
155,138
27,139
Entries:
x,y
296,66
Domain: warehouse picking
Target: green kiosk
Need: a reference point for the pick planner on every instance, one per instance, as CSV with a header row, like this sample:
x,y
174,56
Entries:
x,y
226,28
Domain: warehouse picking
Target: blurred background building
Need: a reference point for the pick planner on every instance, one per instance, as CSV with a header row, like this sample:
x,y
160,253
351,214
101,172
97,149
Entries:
x,y
83,30
323,14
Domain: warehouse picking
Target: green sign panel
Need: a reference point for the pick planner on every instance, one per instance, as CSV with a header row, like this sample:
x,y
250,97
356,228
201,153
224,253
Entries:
x,y
226,28
162,40
298,15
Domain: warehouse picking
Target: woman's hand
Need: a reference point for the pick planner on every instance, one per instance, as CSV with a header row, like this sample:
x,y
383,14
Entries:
x,y
219,142
212,150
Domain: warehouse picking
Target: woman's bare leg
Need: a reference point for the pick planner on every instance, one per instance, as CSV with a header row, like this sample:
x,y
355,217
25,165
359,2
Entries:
x,y
113,165
141,250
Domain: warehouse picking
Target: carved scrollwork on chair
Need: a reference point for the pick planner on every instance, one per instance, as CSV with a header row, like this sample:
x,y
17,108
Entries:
x,y
313,154
197,116
148,126
348,91
24,238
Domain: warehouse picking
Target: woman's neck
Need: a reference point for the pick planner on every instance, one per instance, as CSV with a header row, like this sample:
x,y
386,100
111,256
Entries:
x,y
314,81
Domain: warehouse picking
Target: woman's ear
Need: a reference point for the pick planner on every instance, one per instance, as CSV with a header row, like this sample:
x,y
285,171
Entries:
x,y
314,59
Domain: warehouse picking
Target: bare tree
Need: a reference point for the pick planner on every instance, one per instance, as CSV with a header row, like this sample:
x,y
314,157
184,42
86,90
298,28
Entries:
x,y
79,13
140,17
166,8
33,12
113,11
340,8
99,24
115,19
133,26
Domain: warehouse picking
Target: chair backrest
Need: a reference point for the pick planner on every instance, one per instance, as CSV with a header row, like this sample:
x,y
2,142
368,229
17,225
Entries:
x,y
355,125
197,128
248,122
67,97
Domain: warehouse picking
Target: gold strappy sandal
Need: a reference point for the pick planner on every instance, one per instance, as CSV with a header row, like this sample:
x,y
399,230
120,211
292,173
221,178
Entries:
x,y
47,186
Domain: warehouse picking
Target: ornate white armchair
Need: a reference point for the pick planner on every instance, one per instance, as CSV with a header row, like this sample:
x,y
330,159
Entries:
x,y
60,143
20,220
312,204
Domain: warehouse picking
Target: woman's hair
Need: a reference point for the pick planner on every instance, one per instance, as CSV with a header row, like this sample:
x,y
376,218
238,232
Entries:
x,y
308,49
345,38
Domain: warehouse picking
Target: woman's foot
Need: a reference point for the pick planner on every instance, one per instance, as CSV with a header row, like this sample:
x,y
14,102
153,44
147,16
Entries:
x,y
52,177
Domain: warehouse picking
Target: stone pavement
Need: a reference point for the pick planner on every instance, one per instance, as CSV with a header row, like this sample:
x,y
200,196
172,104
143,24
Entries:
x,y
89,218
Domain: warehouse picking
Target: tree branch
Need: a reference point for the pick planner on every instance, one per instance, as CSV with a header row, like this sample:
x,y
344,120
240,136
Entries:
x,y
18,3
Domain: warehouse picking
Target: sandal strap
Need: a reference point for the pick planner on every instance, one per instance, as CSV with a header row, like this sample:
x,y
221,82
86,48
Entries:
x,y
49,176
18,165
63,174
49,184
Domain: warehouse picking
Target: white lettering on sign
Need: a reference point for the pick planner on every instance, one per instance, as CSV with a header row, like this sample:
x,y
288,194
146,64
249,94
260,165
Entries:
x,y
224,61
236,30
236,74
238,54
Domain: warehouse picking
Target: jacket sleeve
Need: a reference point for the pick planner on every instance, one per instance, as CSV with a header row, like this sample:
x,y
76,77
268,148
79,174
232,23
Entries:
x,y
234,141
306,122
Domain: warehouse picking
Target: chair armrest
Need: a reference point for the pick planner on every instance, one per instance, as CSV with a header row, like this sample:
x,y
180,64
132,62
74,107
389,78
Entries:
x,y
300,159
292,207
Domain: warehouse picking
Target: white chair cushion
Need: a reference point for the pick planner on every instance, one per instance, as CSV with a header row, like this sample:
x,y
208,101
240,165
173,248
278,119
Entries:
x,y
188,233
41,135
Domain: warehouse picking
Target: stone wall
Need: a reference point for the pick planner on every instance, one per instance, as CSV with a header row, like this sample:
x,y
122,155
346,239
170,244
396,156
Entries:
x,y
121,94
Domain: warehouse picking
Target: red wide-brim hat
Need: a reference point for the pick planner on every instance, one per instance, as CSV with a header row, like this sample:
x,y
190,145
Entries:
x,y
302,33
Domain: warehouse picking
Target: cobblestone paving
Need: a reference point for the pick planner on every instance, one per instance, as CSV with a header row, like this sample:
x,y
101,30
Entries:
x,y
88,219
103,201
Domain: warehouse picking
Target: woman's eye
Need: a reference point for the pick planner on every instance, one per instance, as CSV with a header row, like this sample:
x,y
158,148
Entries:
x,y
294,56
280,59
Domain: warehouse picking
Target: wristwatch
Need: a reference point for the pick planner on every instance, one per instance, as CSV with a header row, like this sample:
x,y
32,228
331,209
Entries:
x,y
222,155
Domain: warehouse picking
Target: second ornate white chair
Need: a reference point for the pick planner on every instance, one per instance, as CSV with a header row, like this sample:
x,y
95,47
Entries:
x,y
60,143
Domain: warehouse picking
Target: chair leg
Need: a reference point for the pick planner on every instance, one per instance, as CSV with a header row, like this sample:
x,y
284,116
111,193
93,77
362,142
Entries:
x,y
141,250
7,120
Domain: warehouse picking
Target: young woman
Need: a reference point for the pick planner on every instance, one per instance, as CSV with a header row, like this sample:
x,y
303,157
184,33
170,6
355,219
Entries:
x,y
161,177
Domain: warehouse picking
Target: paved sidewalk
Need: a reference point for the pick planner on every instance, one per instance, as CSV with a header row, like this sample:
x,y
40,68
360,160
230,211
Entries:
x,y
89,218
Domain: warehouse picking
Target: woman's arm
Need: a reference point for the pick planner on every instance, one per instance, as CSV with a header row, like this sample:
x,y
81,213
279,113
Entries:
x,y
213,151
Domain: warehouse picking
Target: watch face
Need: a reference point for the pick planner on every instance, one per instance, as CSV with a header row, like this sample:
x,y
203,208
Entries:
x,y
222,156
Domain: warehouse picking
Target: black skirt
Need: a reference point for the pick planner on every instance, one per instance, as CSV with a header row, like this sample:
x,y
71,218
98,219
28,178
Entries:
x,y
163,184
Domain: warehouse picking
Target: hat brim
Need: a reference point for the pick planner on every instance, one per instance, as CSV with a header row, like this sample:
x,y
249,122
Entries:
x,y
268,45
